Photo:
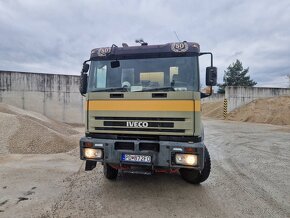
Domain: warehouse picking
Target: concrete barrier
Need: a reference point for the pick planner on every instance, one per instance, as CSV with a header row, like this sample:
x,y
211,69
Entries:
x,y
55,96
238,96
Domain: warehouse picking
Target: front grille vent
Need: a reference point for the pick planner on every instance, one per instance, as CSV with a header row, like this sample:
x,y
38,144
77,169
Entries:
x,y
149,147
142,118
124,146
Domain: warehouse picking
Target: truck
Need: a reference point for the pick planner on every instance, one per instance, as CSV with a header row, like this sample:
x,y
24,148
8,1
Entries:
x,y
143,110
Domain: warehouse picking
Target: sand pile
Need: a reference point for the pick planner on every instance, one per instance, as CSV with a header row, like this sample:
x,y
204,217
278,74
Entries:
x,y
274,110
28,132
212,109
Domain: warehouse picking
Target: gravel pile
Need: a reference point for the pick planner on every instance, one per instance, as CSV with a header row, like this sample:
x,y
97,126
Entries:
x,y
274,110
8,126
213,109
26,132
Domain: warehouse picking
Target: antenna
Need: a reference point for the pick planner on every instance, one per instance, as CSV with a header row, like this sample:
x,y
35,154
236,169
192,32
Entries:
x,y
177,36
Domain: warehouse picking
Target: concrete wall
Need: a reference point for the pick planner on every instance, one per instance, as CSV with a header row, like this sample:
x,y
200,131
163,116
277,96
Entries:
x,y
56,96
238,96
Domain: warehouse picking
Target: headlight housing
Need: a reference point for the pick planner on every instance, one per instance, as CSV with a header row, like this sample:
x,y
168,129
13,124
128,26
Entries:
x,y
92,153
186,159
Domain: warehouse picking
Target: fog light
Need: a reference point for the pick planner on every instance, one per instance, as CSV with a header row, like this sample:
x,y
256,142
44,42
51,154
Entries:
x,y
186,159
91,153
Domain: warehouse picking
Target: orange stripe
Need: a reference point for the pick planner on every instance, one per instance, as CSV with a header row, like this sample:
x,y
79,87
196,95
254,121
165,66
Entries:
x,y
197,107
144,105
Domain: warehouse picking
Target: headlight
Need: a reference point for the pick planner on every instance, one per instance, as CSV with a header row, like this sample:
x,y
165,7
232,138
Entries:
x,y
93,153
186,159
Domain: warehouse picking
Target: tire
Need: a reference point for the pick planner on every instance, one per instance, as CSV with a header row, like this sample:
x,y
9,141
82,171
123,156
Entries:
x,y
196,176
109,172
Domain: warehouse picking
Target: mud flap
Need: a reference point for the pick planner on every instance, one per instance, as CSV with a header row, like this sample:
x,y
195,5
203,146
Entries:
x,y
90,165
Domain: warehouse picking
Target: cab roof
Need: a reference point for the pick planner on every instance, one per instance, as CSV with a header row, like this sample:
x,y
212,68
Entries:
x,y
174,49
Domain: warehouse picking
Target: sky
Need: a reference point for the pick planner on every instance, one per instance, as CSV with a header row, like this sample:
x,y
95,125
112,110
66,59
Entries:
x,y
56,36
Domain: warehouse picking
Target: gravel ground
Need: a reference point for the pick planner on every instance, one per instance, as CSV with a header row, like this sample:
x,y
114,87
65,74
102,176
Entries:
x,y
250,178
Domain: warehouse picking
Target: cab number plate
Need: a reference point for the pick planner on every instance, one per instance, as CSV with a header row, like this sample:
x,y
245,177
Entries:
x,y
136,158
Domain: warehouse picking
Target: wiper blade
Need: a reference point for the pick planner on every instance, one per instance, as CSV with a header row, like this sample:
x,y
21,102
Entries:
x,y
118,89
167,88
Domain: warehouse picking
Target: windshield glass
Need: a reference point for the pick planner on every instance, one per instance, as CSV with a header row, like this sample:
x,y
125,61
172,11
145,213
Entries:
x,y
152,74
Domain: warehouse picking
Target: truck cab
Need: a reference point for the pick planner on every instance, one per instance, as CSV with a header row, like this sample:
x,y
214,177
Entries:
x,y
143,110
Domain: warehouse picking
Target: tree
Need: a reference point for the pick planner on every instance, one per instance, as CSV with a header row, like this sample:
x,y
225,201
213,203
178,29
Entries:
x,y
236,75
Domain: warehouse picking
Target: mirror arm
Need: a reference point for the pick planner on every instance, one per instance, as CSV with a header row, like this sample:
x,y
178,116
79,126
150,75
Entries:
x,y
204,95
82,72
210,93
86,61
211,56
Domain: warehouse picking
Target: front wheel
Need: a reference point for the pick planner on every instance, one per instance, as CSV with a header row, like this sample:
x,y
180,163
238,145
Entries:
x,y
109,172
196,176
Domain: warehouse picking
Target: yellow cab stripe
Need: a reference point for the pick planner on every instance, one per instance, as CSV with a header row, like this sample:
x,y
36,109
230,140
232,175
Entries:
x,y
143,105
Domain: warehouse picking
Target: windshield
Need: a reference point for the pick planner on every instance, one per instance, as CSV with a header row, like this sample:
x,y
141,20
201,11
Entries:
x,y
151,74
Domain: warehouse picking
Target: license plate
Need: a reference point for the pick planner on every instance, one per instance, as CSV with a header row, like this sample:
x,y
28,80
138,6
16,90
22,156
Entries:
x,y
136,158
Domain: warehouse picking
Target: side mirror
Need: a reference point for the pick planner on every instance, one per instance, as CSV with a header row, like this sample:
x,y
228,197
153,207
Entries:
x,y
115,64
83,83
211,76
85,68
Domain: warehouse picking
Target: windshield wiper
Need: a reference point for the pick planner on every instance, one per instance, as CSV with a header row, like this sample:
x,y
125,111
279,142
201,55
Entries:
x,y
167,88
118,89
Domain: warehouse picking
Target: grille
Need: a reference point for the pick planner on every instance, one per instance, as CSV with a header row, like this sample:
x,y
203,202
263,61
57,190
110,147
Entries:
x,y
139,124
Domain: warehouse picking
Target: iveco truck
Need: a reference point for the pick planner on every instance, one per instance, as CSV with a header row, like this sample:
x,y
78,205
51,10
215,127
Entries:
x,y
143,110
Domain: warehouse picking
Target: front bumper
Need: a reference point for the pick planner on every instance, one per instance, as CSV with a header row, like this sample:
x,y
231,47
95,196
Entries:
x,y
162,153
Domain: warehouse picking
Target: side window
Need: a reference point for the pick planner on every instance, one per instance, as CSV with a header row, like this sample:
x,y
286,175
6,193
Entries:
x,y
101,76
